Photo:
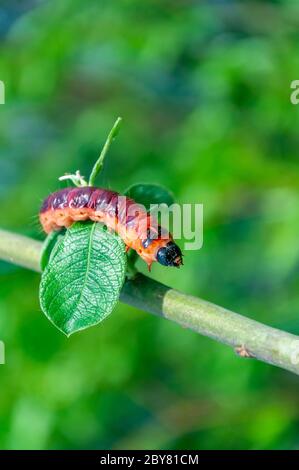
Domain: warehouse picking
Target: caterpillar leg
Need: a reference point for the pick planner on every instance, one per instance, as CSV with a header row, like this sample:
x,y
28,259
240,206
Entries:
x,y
149,266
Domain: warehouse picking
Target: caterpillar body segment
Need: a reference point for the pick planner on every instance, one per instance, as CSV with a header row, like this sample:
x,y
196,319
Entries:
x,y
139,230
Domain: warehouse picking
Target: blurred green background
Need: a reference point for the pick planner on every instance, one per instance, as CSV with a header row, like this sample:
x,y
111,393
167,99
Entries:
x,y
204,91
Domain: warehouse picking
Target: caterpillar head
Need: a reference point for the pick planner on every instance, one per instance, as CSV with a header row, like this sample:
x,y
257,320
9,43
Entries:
x,y
170,255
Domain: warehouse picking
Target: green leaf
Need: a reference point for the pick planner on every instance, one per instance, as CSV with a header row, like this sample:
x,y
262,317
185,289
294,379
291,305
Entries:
x,y
48,247
147,194
82,281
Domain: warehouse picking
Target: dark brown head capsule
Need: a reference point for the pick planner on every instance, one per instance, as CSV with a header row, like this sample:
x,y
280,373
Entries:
x,y
170,255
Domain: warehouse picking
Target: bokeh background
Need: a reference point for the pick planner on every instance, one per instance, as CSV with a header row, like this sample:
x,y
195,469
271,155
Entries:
x,y
204,91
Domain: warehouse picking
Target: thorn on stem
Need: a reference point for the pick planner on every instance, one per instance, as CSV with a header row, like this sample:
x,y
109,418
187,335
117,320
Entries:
x,y
242,351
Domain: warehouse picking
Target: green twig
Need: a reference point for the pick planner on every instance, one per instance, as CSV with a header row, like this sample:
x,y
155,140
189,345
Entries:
x,y
99,163
248,337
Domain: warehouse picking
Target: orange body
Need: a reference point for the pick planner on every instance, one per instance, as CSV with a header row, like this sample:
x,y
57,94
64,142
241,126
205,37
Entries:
x,y
121,214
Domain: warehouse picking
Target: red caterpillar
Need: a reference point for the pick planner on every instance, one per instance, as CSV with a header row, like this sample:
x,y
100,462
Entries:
x,y
130,220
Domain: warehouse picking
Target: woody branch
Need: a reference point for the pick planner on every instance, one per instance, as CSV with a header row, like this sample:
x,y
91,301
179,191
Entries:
x,y
249,338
